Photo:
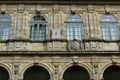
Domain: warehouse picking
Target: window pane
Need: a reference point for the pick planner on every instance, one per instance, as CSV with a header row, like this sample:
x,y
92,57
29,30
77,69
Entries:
x,y
109,27
74,28
4,27
38,29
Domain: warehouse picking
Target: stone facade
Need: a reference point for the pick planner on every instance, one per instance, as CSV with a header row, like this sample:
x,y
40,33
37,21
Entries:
x,y
56,55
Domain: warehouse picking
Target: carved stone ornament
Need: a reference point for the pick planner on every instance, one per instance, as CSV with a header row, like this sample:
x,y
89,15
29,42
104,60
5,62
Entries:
x,y
75,45
16,69
95,68
56,68
13,46
56,34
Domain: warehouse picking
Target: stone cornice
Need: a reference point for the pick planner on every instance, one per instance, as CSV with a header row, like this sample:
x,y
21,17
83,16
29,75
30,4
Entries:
x,y
60,1
61,40
67,53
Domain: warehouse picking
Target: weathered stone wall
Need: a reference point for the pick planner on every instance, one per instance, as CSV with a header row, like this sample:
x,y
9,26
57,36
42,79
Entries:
x,y
56,66
56,15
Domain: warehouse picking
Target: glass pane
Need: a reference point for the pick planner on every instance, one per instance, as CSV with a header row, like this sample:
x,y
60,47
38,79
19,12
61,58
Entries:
x,y
73,18
74,27
109,27
39,30
38,18
108,18
5,18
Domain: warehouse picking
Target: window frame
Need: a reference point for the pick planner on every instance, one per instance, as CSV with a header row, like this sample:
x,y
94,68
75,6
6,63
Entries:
x,y
38,22
5,28
108,25
78,28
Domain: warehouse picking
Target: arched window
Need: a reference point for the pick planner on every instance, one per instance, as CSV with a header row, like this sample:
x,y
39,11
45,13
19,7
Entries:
x,y
74,27
109,27
36,73
38,28
112,73
4,26
76,73
4,75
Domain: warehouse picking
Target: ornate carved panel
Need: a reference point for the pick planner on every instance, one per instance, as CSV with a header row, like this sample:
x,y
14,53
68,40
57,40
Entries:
x,y
75,45
11,46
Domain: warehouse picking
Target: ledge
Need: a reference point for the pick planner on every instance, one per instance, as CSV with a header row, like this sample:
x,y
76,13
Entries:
x,y
60,1
61,40
65,53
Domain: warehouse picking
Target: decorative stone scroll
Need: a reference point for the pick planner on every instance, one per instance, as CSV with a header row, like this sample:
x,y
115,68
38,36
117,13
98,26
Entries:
x,y
75,45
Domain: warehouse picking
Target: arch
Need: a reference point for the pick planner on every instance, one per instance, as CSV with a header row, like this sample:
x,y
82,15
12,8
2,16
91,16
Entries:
x,y
86,67
7,69
104,68
76,17
36,15
112,72
66,16
4,73
40,17
32,64
76,73
36,73
100,19
110,17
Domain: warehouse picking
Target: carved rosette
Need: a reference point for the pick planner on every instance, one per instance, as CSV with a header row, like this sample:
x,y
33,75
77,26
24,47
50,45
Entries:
x,y
75,45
